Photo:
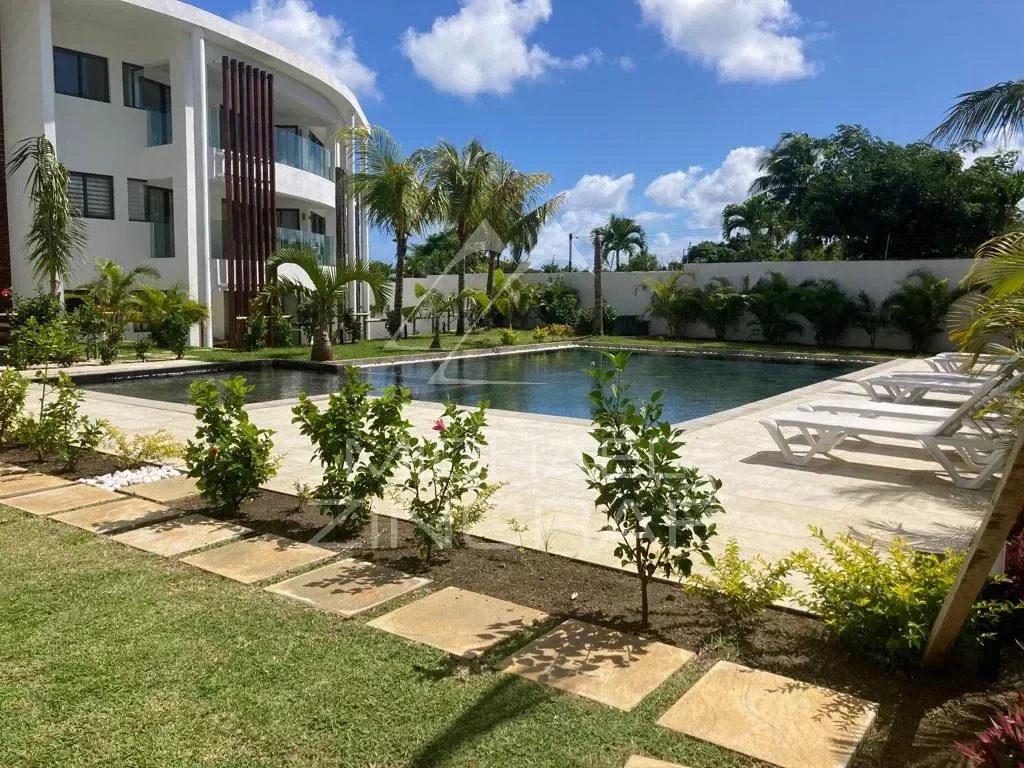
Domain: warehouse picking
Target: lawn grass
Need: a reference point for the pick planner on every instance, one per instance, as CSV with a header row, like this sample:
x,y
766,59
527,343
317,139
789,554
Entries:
x,y
113,657
741,346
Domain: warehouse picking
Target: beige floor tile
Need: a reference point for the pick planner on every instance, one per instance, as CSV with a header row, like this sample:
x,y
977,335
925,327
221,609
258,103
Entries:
x,y
258,558
185,534
636,761
597,663
116,516
7,470
170,489
17,485
347,587
772,718
462,623
61,499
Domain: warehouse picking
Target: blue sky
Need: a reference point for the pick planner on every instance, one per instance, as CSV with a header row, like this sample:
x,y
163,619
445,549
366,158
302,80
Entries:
x,y
651,108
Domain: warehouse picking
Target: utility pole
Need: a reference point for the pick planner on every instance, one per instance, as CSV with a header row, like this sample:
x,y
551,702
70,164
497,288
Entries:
x,y
570,251
598,297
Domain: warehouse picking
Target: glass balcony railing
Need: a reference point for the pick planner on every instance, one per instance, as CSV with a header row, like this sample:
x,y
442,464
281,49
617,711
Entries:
x,y
158,127
321,245
289,148
161,239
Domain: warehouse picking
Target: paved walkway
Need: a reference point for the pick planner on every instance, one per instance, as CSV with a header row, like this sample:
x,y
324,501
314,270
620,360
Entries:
x,y
894,489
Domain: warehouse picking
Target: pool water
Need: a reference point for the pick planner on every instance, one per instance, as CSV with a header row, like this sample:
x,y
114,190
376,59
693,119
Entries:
x,y
552,383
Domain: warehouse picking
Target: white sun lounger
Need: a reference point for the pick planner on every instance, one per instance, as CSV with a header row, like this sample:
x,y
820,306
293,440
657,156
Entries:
x,y
910,387
962,362
824,431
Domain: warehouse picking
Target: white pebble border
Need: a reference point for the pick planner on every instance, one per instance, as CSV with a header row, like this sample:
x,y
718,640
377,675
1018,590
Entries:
x,y
117,480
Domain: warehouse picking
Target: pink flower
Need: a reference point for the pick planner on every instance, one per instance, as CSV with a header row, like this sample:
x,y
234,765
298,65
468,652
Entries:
x,y
5,293
214,450
439,425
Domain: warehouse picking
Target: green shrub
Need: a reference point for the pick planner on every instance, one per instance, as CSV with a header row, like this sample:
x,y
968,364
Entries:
x,y
13,389
540,333
280,327
446,488
557,303
745,588
772,304
254,333
561,330
357,439
658,508
110,347
882,604
176,329
585,321
43,307
61,430
132,452
34,343
142,347
230,457
508,337
91,327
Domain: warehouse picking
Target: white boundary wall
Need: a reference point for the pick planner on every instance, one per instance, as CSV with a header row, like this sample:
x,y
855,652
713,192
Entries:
x,y
627,294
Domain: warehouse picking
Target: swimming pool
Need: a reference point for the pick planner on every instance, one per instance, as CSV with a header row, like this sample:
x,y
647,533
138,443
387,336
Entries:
x,y
551,382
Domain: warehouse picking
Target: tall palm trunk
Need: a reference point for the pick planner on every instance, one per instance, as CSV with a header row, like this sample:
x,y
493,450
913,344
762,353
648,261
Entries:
x,y
492,264
322,352
54,284
598,327
400,250
460,327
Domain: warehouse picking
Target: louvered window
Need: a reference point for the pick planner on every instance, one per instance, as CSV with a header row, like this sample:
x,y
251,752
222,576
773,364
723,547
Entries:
x,y
92,194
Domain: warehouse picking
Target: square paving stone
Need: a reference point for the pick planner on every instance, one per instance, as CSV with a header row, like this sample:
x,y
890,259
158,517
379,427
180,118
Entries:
x,y
176,537
16,485
169,489
597,663
117,516
61,499
347,587
636,761
258,558
772,718
462,623
10,469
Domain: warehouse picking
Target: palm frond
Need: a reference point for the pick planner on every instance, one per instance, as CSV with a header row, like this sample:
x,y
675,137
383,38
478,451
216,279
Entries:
x,y
977,114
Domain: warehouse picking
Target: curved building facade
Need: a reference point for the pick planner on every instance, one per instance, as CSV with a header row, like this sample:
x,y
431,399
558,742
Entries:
x,y
195,145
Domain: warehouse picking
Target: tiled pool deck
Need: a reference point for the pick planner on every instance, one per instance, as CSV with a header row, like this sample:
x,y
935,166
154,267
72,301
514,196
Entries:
x,y
894,489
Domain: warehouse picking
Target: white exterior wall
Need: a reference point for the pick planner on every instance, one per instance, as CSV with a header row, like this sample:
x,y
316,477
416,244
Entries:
x,y
183,45
627,294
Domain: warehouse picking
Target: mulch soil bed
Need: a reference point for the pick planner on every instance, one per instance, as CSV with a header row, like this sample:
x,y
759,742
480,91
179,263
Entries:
x,y
920,713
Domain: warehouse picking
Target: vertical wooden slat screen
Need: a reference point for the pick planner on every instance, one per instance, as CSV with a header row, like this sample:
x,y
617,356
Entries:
x,y
247,138
6,278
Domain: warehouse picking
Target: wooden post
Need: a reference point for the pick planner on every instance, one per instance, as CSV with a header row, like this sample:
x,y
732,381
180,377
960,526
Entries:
x,y
988,543
598,291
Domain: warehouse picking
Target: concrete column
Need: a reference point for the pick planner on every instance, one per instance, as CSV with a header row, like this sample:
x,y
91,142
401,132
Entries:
x,y
202,144
186,183
27,39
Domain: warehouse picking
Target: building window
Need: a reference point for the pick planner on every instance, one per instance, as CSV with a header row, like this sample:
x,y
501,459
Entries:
x,y
137,200
81,74
93,195
288,218
317,224
315,140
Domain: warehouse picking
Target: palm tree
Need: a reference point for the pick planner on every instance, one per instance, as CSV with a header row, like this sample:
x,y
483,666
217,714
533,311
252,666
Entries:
x,y
390,187
828,308
327,291
623,235
998,109
115,292
461,183
436,305
56,238
760,216
722,306
512,298
868,316
772,303
169,312
918,307
786,173
677,303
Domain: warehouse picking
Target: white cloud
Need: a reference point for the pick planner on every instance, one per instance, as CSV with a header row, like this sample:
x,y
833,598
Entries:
x,y
741,39
993,143
626,63
484,48
703,194
652,217
600,193
297,26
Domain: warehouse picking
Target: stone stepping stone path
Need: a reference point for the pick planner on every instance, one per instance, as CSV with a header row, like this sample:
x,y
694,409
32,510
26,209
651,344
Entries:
x,y
636,761
176,537
61,499
258,559
163,491
17,485
116,516
11,469
609,667
347,587
772,718
465,624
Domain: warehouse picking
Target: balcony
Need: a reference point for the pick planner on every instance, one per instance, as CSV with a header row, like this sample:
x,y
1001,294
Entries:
x,y
158,127
289,148
321,245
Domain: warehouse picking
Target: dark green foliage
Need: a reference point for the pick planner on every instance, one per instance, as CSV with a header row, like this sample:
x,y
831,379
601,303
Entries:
x,y
142,347
13,388
658,507
43,307
358,441
918,308
868,316
722,307
674,300
230,456
60,430
828,309
585,320
557,303
772,304
34,343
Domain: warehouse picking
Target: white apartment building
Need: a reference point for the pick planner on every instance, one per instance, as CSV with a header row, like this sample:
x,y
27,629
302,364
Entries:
x,y
168,118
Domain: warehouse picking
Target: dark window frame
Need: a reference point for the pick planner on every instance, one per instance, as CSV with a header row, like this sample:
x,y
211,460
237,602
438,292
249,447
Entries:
x,y
82,89
296,211
85,176
145,200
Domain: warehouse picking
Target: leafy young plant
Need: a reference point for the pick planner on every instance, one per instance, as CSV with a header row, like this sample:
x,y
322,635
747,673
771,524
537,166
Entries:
x,y
722,307
744,587
357,440
772,303
918,307
134,451
446,486
508,337
658,507
868,316
828,309
143,345
230,456
61,430
13,389
557,303
1001,745
675,302
540,333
